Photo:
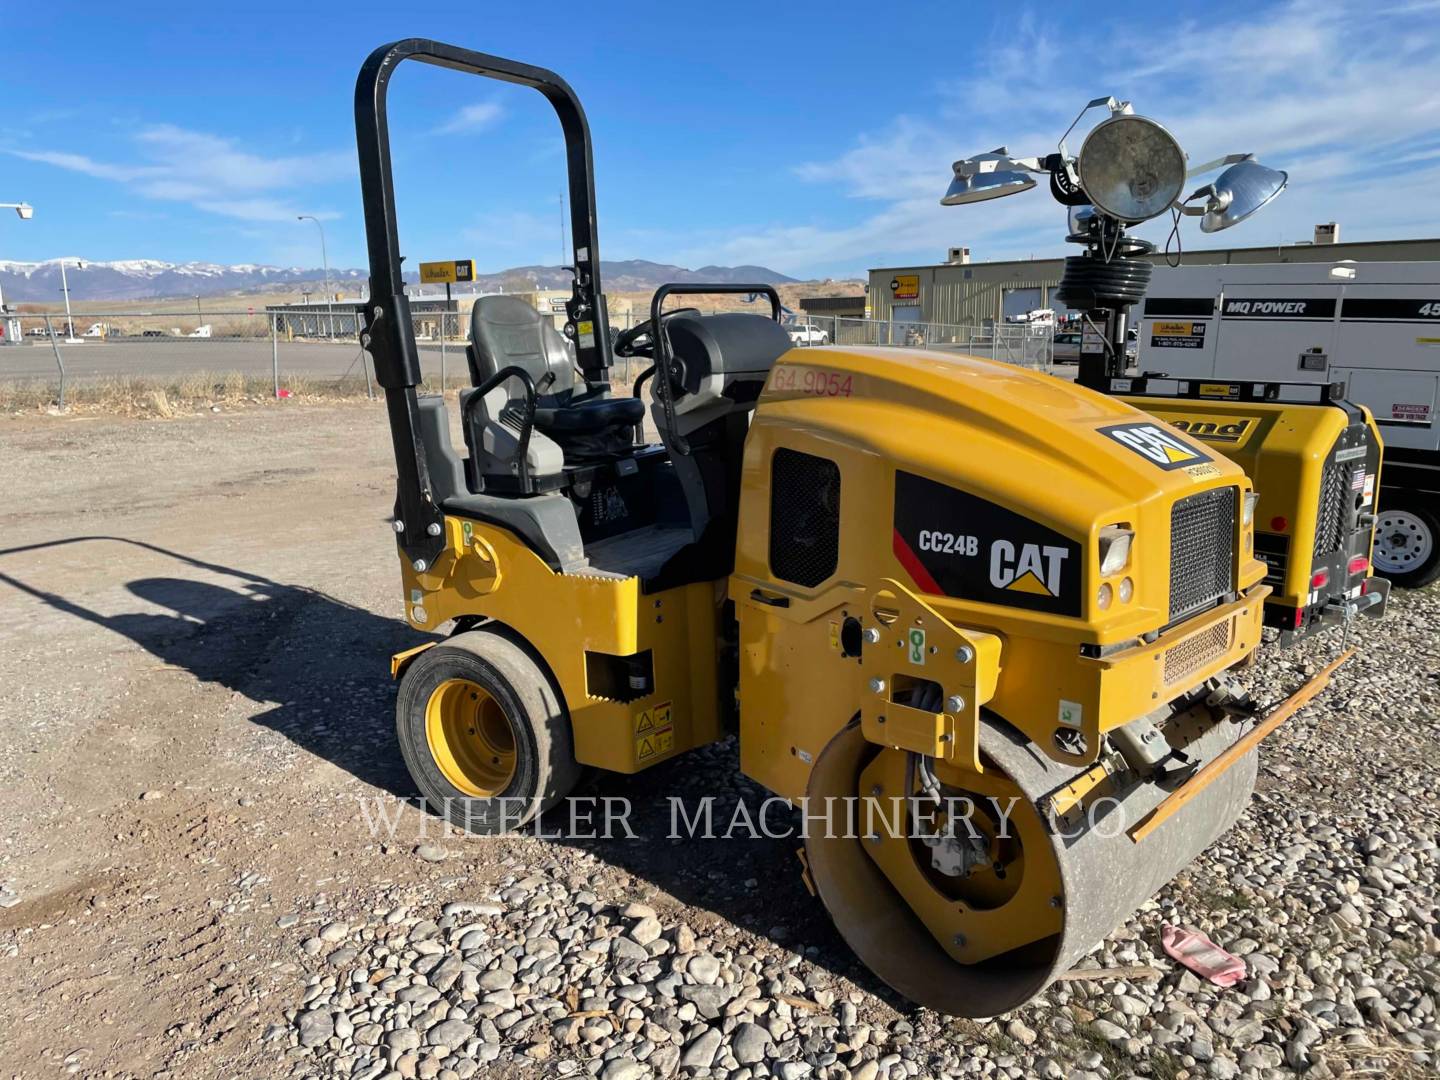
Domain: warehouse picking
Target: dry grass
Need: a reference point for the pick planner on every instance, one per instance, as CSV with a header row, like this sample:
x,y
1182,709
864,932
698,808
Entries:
x,y
161,397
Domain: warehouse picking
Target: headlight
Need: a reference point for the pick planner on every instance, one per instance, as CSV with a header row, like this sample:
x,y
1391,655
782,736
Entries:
x,y
1114,549
1247,513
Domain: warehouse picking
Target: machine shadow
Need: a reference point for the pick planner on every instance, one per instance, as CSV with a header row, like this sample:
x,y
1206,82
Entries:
x,y
754,882
320,663
312,657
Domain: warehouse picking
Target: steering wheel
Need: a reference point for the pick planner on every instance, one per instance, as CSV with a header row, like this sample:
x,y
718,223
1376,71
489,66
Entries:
x,y
637,340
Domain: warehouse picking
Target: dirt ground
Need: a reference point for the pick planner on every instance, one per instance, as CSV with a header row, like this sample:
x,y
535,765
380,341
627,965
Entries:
x,y
196,617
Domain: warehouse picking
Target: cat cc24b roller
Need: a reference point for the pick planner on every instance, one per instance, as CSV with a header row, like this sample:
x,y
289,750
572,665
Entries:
x,y
1001,602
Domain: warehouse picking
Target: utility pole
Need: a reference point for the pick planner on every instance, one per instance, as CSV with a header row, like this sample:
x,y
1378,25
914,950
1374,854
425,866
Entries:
x,y
65,288
564,247
324,258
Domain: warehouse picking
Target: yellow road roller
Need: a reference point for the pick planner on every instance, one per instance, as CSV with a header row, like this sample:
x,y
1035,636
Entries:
x,y
982,615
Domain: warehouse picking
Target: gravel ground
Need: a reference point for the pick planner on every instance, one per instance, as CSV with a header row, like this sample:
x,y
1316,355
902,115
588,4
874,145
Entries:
x,y
197,745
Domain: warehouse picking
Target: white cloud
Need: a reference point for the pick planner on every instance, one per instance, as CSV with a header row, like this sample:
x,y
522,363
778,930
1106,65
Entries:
x,y
210,172
477,117
1341,95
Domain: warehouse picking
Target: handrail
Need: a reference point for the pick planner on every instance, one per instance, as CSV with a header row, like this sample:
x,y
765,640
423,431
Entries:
x,y
527,417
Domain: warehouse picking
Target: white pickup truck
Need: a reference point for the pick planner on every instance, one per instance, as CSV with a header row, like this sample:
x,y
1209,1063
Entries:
x,y
807,334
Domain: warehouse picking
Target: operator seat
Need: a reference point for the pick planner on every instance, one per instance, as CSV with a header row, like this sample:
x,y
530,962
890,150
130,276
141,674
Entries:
x,y
574,425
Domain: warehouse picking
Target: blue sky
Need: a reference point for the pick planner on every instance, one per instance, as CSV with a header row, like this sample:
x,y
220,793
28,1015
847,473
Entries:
x,y
815,138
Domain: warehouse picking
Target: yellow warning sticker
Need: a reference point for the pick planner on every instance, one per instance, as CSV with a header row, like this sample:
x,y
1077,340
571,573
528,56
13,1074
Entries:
x,y
1172,329
834,635
653,746
654,731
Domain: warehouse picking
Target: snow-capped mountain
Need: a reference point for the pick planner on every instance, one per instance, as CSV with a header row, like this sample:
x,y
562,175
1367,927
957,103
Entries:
x,y
137,279
134,279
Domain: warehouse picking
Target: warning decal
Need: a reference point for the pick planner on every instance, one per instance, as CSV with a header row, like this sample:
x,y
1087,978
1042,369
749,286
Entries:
x,y
654,732
1414,412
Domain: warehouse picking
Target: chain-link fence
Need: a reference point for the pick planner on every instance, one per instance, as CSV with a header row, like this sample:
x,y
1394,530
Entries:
x,y
1030,346
303,347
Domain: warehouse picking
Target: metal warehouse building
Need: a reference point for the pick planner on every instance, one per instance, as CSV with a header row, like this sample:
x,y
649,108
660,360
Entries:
x,y
963,293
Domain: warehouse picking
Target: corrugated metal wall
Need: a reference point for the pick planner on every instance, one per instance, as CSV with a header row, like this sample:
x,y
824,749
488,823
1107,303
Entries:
x,y
946,297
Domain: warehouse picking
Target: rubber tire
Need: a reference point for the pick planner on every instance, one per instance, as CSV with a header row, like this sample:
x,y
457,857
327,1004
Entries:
x,y
1428,511
545,766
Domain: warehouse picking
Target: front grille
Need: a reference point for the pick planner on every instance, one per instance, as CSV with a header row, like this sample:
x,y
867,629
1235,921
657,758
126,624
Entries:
x,y
804,517
1330,519
1202,550
1194,653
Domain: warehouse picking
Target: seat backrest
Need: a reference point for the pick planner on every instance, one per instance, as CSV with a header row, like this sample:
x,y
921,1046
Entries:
x,y
505,331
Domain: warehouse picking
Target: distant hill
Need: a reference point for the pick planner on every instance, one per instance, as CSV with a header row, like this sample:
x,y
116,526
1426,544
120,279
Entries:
x,y
145,279
635,275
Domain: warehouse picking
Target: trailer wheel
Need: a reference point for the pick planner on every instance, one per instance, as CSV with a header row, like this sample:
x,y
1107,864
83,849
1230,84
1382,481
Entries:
x,y
484,733
1407,543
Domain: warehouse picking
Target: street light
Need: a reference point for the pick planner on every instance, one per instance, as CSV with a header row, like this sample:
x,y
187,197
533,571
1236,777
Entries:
x,y
70,338
324,258
26,212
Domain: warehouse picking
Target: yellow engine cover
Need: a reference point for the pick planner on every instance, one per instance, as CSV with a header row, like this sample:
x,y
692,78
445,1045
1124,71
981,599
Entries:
x,y
919,536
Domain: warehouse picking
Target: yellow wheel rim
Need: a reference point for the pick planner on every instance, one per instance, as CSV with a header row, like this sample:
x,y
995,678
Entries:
x,y
470,738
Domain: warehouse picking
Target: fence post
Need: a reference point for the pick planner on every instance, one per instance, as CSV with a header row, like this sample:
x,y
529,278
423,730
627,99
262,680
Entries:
x,y
444,329
275,351
49,329
365,367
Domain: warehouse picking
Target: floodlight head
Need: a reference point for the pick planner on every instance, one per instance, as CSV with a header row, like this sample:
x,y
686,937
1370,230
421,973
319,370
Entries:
x,y
987,185
1131,168
988,176
1238,192
26,211
1078,219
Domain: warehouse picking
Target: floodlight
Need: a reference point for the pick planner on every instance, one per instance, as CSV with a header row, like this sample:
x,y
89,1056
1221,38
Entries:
x,y
1079,218
1238,192
989,176
987,185
1131,167
26,211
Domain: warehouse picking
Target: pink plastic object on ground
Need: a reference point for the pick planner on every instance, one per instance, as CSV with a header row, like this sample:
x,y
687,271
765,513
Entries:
x,y
1202,956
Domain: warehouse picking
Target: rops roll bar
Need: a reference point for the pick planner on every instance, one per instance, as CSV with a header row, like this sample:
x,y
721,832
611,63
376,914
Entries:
x,y
387,331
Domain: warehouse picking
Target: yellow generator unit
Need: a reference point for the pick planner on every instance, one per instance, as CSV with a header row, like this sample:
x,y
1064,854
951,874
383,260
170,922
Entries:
x,y
1314,459
974,622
